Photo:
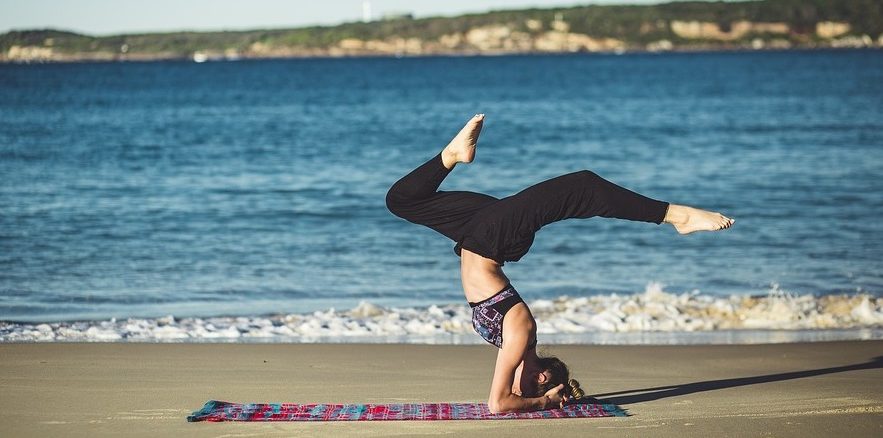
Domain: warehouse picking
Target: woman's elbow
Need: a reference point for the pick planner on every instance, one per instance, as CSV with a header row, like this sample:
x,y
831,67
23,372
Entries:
x,y
493,405
497,406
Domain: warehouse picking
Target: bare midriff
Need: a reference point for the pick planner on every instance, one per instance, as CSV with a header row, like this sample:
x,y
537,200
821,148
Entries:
x,y
481,276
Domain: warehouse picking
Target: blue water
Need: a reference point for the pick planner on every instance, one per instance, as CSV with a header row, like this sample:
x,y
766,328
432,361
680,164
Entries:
x,y
252,187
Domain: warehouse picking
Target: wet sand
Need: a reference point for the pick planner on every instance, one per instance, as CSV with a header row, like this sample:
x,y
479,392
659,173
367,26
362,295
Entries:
x,y
815,389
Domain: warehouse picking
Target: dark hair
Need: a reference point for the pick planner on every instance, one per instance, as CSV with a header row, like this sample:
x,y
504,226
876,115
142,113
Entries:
x,y
558,374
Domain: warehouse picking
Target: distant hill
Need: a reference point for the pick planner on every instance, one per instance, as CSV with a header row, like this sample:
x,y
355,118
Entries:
x,y
697,25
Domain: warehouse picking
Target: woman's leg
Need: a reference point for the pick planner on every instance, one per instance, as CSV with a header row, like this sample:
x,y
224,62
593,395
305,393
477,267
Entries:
x,y
416,198
584,194
581,194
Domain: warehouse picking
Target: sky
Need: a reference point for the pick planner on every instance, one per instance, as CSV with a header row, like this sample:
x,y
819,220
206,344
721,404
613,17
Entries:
x,y
106,17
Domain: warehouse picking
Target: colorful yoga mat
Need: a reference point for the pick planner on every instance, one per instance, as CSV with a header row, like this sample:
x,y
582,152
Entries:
x,y
215,410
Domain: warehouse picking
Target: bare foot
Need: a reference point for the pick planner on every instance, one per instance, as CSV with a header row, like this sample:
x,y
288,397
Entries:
x,y
688,220
462,148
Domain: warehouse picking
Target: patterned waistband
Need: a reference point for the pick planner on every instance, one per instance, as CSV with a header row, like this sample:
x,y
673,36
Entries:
x,y
507,292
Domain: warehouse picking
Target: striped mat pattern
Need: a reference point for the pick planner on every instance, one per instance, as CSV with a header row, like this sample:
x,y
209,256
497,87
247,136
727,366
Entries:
x,y
215,410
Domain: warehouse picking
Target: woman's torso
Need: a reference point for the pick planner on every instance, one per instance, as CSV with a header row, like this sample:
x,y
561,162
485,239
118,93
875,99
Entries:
x,y
489,315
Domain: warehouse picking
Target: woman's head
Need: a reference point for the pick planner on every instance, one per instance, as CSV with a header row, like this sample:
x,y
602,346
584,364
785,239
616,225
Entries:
x,y
552,372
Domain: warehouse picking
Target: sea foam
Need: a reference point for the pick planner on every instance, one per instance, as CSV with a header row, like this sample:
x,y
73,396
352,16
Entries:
x,y
565,319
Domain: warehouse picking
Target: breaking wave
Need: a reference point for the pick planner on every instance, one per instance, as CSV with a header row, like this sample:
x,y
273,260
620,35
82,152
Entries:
x,y
565,319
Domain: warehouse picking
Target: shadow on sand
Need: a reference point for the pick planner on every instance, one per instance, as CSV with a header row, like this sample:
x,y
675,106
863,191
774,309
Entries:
x,y
649,394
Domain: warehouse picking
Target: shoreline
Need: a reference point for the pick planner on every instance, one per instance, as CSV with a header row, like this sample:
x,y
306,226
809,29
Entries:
x,y
700,338
652,317
120,389
677,51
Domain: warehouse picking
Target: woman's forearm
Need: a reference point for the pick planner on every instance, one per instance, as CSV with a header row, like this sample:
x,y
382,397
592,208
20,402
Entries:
x,y
517,403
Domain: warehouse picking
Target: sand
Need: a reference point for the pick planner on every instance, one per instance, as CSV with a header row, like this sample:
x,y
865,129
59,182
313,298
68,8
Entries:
x,y
817,389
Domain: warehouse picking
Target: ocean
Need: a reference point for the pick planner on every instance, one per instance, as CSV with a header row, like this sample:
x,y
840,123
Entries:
x,y
245,200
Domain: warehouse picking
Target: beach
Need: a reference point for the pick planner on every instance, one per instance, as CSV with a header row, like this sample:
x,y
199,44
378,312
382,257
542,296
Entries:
x,y
133,389
192,230
178,232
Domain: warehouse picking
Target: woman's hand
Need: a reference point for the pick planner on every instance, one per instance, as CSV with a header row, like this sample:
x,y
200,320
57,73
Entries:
x,y
554,398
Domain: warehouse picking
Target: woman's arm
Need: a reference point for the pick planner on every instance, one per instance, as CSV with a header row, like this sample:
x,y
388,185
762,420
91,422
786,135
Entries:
x,y
517,327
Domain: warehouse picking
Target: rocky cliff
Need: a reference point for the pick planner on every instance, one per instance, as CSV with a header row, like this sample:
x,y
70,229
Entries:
x,y
777,24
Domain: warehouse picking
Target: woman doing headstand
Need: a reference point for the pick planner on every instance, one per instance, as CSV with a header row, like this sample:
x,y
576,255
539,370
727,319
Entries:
x,y
489,232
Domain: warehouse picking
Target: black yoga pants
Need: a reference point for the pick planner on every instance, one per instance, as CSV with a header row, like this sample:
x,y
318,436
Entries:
x,y
503,229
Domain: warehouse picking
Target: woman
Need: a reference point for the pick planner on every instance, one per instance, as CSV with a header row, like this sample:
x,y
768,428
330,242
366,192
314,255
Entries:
x,y
490,231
